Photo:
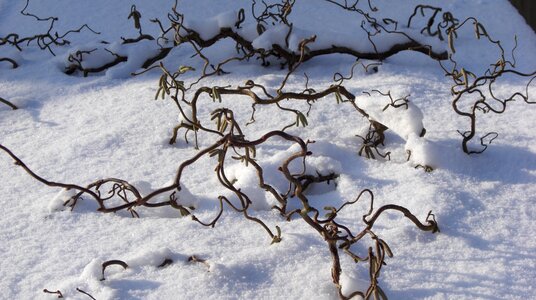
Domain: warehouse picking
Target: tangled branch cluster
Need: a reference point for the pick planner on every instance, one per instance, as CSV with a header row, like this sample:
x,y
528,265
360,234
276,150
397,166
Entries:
x,y
44,41
265,16
480,89
113,195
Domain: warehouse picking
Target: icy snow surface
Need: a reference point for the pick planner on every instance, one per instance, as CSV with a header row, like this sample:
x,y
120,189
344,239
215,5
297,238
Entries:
x,y
77,130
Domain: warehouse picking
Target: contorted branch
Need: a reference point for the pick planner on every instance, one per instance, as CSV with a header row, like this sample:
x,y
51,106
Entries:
x,y
336,235
339,236
170,84
2,100
20,163
76,59
13,63
281,51
480,89
448,20
114,194
57,292
111,263
45,40
291,57
374,137
378,27
185,34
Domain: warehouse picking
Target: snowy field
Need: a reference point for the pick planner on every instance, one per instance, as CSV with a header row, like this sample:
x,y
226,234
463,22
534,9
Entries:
x,y
76,129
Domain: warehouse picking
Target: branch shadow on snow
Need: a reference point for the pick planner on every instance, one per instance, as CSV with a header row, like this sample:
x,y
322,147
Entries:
x,y
471,283
128,288
503,163
446,293
33,107
500,165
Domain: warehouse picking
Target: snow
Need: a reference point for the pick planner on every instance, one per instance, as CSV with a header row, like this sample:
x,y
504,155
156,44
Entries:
x,y
402,117
77,129
423,152
137,54
329,36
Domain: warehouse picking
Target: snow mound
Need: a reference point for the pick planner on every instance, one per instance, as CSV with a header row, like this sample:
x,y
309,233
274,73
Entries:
x,y
91,278
58,202
423,152
404,119
183,196
210,27
246,178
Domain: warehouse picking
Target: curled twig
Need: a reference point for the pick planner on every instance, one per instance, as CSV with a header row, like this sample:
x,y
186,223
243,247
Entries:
x,y
85,293
57,292
110,263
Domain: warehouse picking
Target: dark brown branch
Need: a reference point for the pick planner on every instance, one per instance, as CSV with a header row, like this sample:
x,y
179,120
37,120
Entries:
x,y
481,87
292,57
13,63
57,292
431,226
13,106
161,55
20,163
111,263
85,293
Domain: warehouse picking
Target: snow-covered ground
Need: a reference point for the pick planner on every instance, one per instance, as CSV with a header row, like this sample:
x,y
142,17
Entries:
x,y
78,129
